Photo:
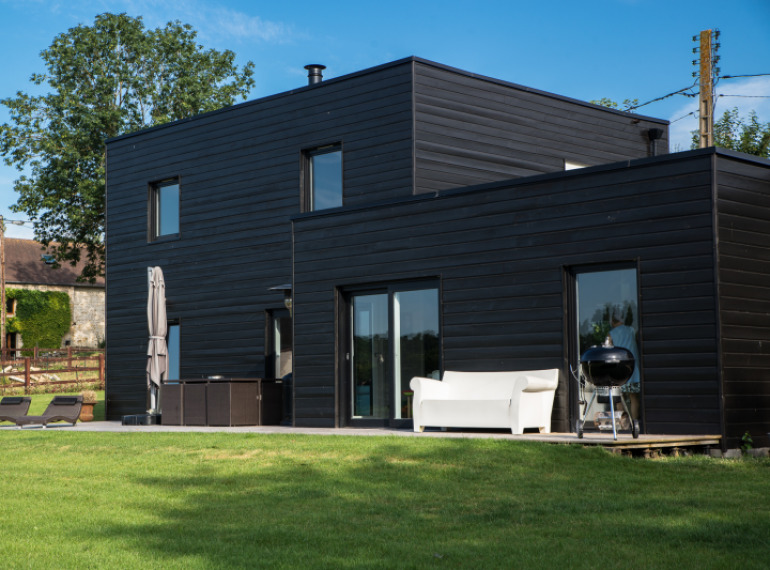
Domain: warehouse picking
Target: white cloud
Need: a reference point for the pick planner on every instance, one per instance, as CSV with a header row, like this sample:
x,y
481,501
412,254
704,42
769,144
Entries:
x,y
755,96
232,24
213,21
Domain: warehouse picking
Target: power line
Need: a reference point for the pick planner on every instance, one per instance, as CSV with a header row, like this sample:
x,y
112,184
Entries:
x,y
746,75
678,92
747,96
683,117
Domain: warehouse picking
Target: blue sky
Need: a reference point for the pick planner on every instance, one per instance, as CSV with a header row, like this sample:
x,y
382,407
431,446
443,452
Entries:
x,y
587,50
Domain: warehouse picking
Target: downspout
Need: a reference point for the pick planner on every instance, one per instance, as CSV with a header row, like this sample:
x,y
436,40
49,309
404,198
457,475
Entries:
x,y
717,297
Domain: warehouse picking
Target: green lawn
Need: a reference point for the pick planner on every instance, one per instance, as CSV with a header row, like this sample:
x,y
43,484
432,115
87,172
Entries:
x,y
217,500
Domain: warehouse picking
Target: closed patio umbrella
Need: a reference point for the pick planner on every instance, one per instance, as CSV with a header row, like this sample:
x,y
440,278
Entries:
x,y
157,351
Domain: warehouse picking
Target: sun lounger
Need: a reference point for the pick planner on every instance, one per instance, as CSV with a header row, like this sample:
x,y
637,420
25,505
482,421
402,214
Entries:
x,y
12,407
61,409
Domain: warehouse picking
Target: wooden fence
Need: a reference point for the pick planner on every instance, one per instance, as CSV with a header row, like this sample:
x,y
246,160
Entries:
x,y
26,371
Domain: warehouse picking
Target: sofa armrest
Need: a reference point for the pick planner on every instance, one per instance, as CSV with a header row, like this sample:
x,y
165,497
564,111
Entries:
x,y
428,388
535,384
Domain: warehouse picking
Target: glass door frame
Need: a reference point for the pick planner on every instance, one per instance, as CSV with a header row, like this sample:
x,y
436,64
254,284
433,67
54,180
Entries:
x,y
345,353
571,339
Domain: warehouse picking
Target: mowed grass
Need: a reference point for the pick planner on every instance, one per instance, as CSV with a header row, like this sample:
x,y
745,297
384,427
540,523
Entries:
x,y
218,500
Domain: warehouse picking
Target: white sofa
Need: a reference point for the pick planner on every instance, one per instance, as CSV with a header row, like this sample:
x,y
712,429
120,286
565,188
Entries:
x,y
515,400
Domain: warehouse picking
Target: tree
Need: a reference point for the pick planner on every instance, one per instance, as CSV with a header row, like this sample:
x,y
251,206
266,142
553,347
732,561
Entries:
x,y
734,132
606,102
103,81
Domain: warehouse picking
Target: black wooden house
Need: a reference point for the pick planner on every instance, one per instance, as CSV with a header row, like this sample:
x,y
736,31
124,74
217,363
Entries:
x,y
422,219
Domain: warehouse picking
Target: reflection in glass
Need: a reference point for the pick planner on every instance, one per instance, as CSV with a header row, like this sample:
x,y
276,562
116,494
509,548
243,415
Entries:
x,y
173,349
607,302
416,343
370,356
167,210
282,346
326,180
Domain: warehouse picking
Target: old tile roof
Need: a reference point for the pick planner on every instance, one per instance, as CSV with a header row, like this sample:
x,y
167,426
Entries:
x,y
24,265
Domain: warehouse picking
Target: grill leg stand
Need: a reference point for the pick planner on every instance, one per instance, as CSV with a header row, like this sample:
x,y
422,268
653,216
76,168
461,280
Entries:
x,y
612,412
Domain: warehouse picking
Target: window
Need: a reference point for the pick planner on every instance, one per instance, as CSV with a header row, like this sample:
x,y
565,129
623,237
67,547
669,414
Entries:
x,y
607,305
279,345
173,350
164,209
323,178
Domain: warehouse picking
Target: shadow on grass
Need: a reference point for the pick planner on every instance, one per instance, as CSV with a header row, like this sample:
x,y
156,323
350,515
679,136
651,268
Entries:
x,y
394,503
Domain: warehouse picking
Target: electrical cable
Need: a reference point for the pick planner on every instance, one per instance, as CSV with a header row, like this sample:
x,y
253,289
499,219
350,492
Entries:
x,y
683,116
747,96
747,75
678,92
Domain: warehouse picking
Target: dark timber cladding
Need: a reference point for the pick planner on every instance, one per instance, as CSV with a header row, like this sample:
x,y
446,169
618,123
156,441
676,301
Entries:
x,y
405,128
239,174
472,130
743,205
500,252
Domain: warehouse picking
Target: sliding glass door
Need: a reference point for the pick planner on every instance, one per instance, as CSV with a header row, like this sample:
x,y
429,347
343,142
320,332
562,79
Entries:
x,y
394,336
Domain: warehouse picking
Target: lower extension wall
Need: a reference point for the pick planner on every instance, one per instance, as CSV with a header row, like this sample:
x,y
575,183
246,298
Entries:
x,y
500,253
743,206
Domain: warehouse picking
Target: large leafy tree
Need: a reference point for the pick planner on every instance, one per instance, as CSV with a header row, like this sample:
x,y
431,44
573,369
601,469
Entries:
x,y
746,135
102,81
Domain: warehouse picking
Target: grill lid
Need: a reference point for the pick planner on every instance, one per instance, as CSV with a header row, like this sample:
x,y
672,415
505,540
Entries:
x,y
607,365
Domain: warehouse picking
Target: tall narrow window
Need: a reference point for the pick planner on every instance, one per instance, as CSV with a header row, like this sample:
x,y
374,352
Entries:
x,y
174,351
607,307
164,209
323,178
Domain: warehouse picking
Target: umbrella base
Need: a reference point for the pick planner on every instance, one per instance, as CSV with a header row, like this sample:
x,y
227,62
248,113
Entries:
x,y
142,420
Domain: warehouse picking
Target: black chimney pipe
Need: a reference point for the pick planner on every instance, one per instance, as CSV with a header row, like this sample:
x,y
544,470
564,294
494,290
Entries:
x,y
653,135
314,73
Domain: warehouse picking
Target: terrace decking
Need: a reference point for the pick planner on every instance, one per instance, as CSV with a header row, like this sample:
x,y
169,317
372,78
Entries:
x,y
646,445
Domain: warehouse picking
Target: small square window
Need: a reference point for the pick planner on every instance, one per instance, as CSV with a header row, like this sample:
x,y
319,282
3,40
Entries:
x,y
164,209
570,165
323,182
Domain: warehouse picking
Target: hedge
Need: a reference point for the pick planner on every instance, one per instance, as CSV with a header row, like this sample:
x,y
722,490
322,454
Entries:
x,y
42,317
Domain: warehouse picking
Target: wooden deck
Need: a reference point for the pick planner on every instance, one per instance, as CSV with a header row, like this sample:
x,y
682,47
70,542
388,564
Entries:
x,y
647,445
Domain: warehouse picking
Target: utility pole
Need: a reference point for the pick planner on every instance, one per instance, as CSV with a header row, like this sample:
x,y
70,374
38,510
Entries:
x,y
2,288
706,75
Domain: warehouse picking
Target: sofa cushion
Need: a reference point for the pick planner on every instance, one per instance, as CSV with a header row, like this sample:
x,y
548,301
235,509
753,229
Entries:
x,y
468,413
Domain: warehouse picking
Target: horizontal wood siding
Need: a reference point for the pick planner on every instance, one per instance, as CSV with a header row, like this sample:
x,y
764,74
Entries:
x,y
500,253
472,130
743,205
239,172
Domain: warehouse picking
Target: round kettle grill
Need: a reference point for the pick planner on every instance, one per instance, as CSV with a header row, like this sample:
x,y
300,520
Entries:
x,y
607,367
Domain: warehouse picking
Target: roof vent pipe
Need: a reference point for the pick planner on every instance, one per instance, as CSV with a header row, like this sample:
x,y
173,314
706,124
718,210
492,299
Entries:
x,y
314,73
654,135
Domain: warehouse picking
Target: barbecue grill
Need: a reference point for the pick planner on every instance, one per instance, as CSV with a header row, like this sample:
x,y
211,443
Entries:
x,y
608,368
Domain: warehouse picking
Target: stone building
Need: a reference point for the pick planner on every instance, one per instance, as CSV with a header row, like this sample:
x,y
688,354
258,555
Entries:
x,y
26,268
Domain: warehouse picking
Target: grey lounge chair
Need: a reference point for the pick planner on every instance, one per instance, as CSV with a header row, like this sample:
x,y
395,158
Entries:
x,y
13,407
61,409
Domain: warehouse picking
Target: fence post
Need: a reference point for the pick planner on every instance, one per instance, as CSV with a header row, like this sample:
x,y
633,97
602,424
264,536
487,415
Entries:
x,y
101,370
69,357
27,375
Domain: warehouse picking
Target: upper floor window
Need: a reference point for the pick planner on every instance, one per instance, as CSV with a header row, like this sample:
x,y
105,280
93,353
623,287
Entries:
x,y
323,178
164,209
570,165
